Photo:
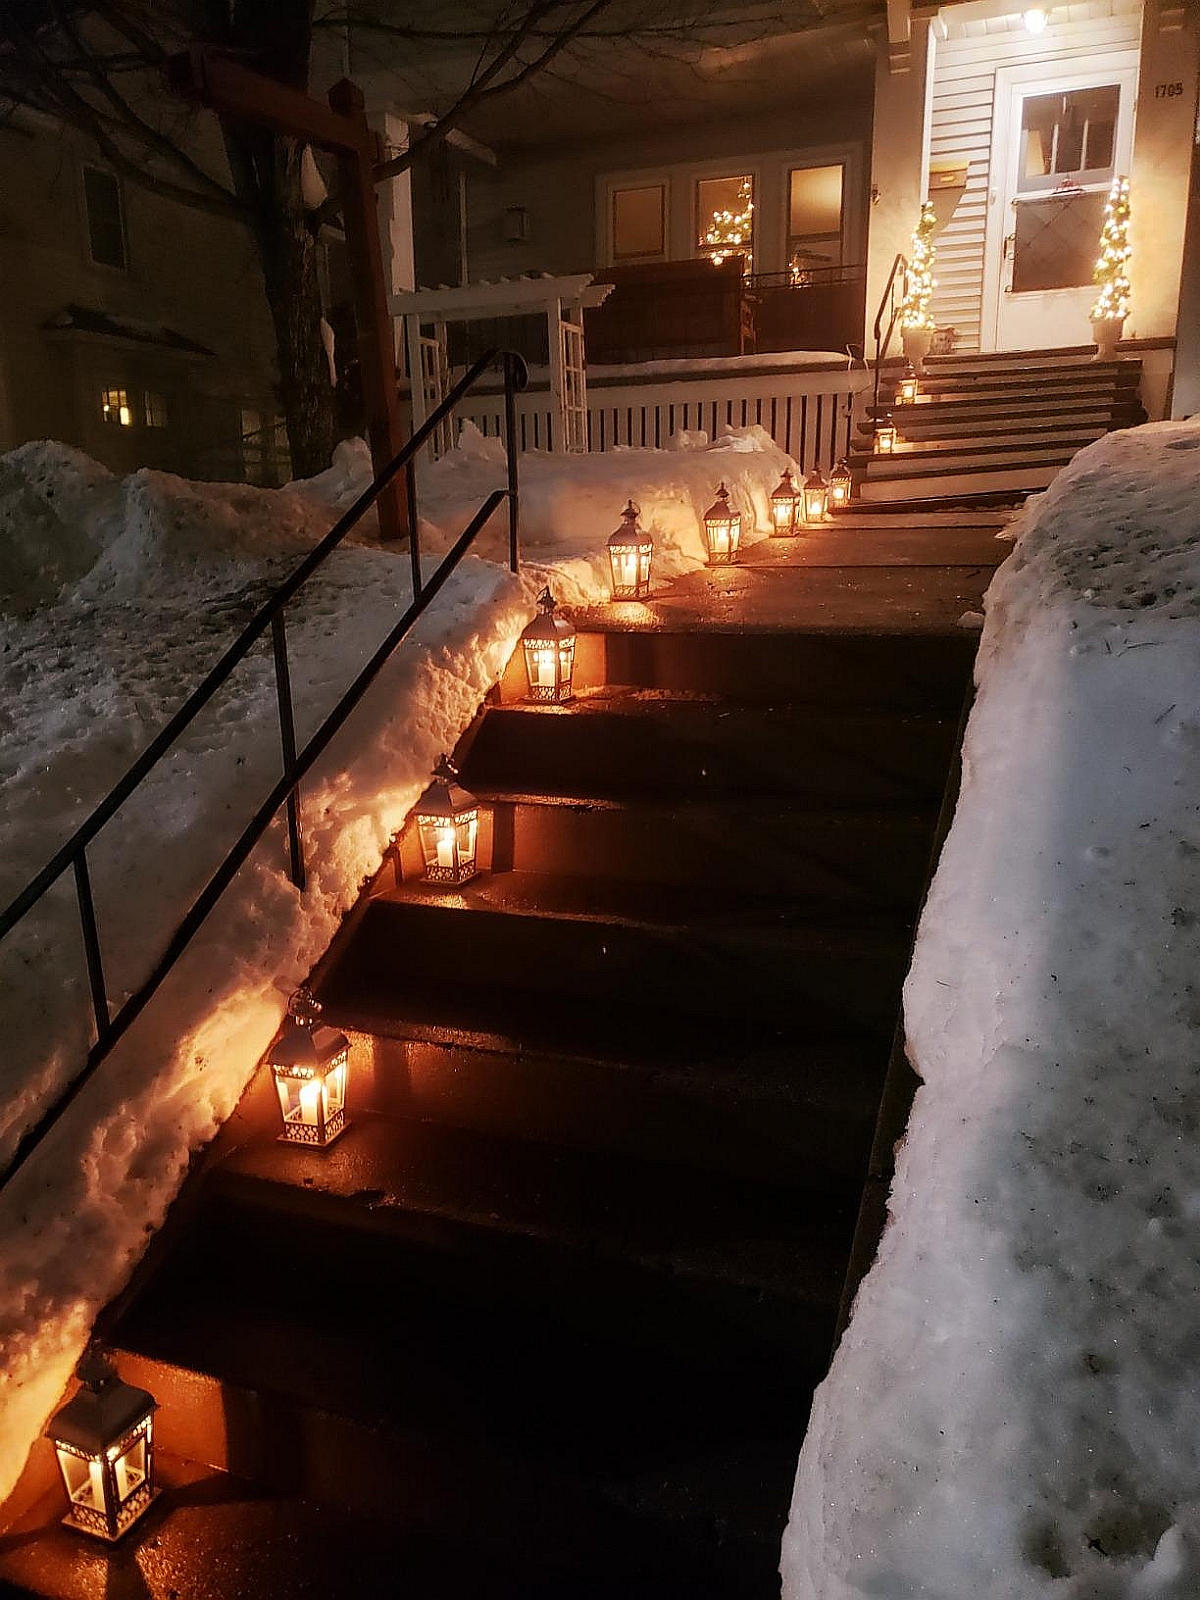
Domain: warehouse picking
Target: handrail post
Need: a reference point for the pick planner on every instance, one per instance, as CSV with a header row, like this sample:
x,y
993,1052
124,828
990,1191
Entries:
x,y
287,737
414,535
91,945
510,450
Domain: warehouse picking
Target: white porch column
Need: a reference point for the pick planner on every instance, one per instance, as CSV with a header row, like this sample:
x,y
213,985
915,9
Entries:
x,y
897,153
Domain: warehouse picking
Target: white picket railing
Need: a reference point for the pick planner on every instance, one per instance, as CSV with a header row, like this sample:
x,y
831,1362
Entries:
x,y
807,410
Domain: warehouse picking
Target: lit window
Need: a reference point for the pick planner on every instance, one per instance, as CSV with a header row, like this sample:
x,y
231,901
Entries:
x,y
114,407
638,223
725,218
156,410
814,218
105,223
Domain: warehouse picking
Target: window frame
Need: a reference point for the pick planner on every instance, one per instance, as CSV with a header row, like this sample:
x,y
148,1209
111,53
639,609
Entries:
x,y
101,171
789,237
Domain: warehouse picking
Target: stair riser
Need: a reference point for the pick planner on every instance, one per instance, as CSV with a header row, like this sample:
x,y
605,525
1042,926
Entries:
x,y
738,1121
1017,429
828,670
1032,387
743,751
1015,405
808,858
920,463
983,445
1022,481
720,972
1019,361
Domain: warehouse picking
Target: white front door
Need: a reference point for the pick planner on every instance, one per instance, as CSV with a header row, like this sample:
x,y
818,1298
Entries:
x,y
1059,138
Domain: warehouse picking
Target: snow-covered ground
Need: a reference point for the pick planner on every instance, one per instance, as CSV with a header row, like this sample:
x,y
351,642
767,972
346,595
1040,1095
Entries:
x,y
115,597
1014,1411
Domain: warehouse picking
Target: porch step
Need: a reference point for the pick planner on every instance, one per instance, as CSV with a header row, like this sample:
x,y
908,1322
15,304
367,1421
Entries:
x,y
955,483
938,457
602,988
637,743
1083,355
915,428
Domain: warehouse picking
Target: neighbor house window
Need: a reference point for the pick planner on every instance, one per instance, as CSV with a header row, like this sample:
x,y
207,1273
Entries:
x,y
814,218
105,222
155,410
639,223
114,407
725,218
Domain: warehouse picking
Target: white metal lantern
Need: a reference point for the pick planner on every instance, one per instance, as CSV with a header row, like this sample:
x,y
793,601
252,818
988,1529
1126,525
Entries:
x,y
816,496
448,827
909,386
549,645
102,1438
311,1065
630,551
785,505
840,484
723,530
885,436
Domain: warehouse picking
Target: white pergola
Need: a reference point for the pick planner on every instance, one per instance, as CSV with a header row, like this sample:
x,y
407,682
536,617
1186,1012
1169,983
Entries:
x,y
561,300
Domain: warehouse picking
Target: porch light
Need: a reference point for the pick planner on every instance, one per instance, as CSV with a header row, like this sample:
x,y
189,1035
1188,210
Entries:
x,y
785,506
816,496
908,387
1035,20
885,435
840,484
310,1065
549,645
448,827
102,1440
630,551
723,530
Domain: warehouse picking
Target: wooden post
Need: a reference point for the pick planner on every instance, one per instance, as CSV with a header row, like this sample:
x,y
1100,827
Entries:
x,y
373,320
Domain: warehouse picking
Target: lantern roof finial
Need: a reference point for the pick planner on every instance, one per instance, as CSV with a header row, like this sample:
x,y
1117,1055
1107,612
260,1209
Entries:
x,y
304,1008
95,1369
546,601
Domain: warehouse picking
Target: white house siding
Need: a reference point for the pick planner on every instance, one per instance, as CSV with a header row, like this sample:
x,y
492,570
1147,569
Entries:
x,y
964,80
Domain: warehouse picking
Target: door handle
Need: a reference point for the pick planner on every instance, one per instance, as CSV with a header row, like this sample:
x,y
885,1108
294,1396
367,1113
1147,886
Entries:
x,y
1010,240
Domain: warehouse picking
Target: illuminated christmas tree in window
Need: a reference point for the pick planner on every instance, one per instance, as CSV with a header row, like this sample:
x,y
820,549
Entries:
x,y
920,282
1111,269
729,230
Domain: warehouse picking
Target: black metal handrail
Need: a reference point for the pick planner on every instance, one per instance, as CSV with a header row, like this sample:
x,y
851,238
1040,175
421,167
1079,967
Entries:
x,y
111,1025
888,304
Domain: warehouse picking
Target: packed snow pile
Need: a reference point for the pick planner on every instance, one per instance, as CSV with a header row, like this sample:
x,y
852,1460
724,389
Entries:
x,y
1014,1411
116,596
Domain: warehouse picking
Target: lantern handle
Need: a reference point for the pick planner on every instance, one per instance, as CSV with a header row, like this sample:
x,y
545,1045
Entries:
x,y
304,1008
445,769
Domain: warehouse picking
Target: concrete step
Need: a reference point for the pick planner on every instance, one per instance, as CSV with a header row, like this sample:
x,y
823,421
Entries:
x,y
923,459
832,667
443,1332
919,422
977,482
1034,384
502,981
626,744
797,1113
985,438
1052,360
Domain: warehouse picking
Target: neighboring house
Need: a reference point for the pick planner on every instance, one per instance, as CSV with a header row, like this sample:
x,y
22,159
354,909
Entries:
x,y
1013,120
130,326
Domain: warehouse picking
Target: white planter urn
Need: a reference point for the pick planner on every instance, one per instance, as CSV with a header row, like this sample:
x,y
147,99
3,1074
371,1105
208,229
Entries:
x,y
916,342
1105,333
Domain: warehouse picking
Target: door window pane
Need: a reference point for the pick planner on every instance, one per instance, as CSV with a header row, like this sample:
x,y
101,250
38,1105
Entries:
x,y
725,218
637,222
815,218
1068,135
1056,241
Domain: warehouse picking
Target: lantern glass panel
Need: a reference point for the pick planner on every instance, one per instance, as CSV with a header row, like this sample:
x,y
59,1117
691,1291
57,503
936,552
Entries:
x,y
549,664
816,499
724,537
885,440
334,1088
449,846
83,1477
630,570
129,1467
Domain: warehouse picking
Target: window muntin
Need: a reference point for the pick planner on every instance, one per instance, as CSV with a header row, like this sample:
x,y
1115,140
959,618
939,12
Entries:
x,y
105,220
154,409
639,222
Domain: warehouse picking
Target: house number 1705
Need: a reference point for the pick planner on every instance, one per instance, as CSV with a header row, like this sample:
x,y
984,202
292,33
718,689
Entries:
x,y
1167,91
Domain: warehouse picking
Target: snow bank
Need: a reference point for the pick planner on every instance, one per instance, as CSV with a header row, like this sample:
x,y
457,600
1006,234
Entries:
x,y
1014,1412
120,594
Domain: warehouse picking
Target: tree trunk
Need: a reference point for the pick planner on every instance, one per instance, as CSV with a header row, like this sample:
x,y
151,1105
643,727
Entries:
x,y
288,252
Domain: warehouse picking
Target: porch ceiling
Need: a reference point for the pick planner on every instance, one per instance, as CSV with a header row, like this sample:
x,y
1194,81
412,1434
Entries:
x,y
644,66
